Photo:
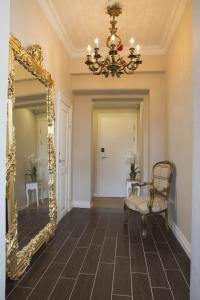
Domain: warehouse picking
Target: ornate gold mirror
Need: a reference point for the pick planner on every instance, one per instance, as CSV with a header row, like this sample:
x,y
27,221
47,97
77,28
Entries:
x,y
30,193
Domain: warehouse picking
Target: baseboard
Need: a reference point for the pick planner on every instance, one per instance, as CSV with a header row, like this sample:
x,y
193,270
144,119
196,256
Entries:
x,y
81,204
180,237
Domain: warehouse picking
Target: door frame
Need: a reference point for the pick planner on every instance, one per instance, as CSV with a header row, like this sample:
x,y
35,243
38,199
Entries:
x,y
143,141
65,101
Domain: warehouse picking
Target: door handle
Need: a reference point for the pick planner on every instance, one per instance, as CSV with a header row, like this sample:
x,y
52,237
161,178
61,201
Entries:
x,y
104,157
61,160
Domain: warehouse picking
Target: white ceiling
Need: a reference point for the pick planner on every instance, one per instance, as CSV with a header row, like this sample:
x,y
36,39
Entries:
x,y
151,22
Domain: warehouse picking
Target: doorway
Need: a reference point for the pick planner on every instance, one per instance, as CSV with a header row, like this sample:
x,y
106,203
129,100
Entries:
x,y
115,135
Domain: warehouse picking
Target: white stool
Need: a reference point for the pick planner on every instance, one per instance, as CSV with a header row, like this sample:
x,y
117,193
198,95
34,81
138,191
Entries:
x,y
129,187
34,186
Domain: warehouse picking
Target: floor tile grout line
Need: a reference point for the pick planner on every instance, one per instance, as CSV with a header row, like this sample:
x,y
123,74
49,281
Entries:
x,y
89,274
113,277
119,295
173,255
95,276
130,257
162,265
99,261
29,270
106,263
62,270
48,267
99,218
24,287
86,226
52,261
28,234
84,258
122,256
145,262
17,284
150,252
142,273
171,269
161,287
63,277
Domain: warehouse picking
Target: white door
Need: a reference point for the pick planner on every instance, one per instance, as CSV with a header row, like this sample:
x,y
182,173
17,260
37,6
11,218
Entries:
x,y
64,158
117,136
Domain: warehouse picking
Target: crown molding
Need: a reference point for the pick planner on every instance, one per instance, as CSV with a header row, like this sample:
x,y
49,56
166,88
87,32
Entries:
x,y
53,18
172,24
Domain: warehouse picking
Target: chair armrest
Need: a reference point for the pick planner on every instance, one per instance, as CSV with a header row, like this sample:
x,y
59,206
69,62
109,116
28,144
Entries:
x,y
141,184
153,193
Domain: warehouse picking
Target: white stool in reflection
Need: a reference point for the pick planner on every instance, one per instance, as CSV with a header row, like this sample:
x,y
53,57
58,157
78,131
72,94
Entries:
x,y
129,187
34,186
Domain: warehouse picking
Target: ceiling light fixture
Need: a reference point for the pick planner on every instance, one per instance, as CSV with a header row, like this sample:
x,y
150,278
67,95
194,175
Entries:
x,y
113,63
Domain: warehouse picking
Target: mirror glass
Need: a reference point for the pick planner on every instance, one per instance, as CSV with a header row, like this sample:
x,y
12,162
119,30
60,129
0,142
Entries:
x,y
32,176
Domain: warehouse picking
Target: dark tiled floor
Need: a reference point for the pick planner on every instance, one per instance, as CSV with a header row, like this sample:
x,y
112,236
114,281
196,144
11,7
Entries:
x,y
94,256
30,221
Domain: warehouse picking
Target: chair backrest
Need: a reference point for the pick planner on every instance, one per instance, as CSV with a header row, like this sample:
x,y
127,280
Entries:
x,y
162,174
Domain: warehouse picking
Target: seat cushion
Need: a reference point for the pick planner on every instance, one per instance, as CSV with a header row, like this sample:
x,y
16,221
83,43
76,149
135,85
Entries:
x,y
140,204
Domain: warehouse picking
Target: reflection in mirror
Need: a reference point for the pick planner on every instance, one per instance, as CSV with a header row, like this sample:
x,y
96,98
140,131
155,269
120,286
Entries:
x,y
32,175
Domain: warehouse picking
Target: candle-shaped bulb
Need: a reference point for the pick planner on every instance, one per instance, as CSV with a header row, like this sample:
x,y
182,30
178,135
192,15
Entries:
x,y
89,50
96,41
138,49
113,39
132,41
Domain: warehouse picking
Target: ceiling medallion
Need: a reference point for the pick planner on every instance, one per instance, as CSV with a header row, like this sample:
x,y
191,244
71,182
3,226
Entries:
x,y
113,63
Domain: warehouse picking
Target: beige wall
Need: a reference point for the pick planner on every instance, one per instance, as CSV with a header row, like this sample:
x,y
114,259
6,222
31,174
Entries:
x,y
29,24
82,131
179,121
81,153
154,83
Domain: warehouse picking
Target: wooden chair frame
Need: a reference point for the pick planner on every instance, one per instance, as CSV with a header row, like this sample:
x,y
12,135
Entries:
x,y
153,192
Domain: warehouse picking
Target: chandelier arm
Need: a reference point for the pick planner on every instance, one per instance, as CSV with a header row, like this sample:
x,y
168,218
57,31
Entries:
x,y
130,66
93,68
128,70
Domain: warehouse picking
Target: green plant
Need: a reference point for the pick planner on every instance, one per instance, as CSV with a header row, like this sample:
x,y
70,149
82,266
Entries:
x,y
133,168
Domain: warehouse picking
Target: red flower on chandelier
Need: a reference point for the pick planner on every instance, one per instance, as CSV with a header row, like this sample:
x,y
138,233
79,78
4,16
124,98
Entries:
x,y
120,46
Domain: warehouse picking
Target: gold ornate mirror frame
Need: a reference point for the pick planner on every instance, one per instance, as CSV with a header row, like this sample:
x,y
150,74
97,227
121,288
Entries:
x,y
31,59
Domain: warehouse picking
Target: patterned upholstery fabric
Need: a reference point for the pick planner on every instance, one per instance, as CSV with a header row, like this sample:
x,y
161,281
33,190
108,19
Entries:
x,y
140,204
160,185
161,174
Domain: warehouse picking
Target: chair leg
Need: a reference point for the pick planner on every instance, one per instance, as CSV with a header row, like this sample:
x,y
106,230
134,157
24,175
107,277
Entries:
x,y
166,220
144,227
125,214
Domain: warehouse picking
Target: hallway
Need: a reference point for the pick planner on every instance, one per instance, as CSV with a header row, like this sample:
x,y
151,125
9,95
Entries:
x,y
94,256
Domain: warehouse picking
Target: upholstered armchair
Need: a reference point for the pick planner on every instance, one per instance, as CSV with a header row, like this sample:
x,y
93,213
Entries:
x,y
156,202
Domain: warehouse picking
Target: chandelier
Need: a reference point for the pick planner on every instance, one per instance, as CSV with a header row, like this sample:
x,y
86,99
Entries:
x,y
113,63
